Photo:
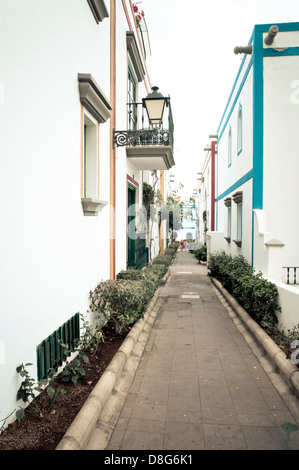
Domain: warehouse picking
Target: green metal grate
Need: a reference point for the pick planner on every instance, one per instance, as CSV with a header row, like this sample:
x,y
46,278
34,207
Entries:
x,y
50,354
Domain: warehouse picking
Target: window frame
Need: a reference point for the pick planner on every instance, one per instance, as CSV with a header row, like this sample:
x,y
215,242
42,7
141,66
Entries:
x,y
97,107
91,162
228,204
99,10
132,98
238,200
239,221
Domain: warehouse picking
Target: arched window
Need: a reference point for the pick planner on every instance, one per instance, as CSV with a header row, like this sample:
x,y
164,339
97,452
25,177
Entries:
x,y
240,130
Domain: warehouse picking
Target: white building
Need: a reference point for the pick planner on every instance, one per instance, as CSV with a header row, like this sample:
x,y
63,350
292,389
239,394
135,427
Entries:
x,y
206,196
258,159
68,70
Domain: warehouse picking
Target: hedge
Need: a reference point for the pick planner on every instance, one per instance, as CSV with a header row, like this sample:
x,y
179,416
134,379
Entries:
x,y
120,302
124,300
258,296
201,253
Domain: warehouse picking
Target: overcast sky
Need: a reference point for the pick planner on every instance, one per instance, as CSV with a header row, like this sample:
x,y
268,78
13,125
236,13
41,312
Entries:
x,y
193,61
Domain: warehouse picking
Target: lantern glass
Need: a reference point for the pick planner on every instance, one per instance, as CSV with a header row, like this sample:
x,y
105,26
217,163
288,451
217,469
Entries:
x,y
155,105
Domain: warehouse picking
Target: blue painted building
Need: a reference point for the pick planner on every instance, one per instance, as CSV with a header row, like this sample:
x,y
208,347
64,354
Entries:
x,y
257,149
257,163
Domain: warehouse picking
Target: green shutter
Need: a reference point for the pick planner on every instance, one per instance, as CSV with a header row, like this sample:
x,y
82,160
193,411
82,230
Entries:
x,y
50,354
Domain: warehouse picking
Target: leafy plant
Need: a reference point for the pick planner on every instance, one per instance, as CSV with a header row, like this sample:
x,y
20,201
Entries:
x,y
121,302
158,269
162,259
92,336
28,387
174,245
201,253
258,296
148,198
170,251
74,369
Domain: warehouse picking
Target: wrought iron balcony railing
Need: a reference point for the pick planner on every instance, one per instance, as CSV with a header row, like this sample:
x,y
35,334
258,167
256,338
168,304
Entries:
x,y
142,137
153,136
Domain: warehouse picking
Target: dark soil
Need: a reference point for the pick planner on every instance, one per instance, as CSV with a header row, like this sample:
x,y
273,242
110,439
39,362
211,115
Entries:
x,y
43,428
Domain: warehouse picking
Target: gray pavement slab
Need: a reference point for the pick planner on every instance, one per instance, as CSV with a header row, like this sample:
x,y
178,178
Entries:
x,y
198,385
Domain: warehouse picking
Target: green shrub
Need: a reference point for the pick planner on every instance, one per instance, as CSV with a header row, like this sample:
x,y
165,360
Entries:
x,y
228,269
148,277
170,251
201,253
124,300
121,302
255,294
162,259
158,269
174,245
130,274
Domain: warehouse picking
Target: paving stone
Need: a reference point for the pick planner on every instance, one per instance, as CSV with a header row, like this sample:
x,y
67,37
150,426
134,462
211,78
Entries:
x,y
183,436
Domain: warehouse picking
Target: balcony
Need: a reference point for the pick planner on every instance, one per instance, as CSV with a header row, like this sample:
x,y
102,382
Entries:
x,y
151,146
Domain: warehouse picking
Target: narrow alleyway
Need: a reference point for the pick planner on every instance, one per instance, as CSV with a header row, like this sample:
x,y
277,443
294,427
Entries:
x,y
198,385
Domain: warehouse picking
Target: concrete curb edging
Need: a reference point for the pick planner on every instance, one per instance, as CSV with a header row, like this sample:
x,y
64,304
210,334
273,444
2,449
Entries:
x,y
97,417
285,367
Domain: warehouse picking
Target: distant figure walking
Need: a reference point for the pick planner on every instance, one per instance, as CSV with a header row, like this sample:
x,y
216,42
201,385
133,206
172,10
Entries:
x,y
185,246
181,245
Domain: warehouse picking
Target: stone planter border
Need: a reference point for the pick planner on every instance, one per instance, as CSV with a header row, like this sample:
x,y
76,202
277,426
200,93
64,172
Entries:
x,y
272,358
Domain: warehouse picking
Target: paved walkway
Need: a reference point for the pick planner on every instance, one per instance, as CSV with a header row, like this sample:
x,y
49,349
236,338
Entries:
x,y
198,385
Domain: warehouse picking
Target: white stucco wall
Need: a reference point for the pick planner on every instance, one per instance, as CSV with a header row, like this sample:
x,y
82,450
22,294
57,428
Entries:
x,y
51,255
281,152
230,177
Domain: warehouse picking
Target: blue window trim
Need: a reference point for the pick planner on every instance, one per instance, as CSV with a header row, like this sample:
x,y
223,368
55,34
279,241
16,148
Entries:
x,y
240,137
235,100
256,61
246,177
233,88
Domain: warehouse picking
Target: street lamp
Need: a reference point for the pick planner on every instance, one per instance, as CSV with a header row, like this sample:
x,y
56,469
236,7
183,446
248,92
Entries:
x,y
154,104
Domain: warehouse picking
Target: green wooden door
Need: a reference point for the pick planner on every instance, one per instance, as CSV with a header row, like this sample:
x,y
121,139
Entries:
x,y
131,226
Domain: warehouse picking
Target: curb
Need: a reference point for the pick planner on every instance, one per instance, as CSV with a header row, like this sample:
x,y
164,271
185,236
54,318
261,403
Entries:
x,y
287,370
94,424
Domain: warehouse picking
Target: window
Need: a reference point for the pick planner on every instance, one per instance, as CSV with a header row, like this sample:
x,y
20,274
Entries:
x,y
95,110
227,203
132,100
135,57
239,221
238,199
229,221
99,9
90,158
136,74
240,130
229,146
